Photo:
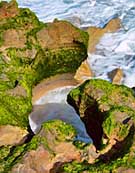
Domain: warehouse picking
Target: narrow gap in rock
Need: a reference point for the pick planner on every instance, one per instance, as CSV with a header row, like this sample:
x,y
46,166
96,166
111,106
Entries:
x,y
16,83
93,120
30,135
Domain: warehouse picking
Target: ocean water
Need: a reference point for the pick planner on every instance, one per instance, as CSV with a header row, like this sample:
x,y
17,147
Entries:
x,y
57,95
115,50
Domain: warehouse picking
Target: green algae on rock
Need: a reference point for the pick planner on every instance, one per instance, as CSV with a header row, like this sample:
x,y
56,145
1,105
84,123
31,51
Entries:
x,y
108,112
53,144
31,50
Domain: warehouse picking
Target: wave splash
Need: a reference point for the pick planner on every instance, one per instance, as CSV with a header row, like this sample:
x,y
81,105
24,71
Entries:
x,y
115,50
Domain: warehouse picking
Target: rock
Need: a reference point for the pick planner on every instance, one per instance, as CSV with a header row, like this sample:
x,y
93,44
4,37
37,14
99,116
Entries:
x,y
34,161
55,147
83,72
108,111
11,135
13,38
126,170
18,91
8,10
96,33
116,76
30,51
27,57
60,111
55,35
51,83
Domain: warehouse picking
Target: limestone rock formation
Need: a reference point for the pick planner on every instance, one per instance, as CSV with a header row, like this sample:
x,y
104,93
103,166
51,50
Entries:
x,y
108,112
96,33
30,51
11,135
84,72
54,148
116,76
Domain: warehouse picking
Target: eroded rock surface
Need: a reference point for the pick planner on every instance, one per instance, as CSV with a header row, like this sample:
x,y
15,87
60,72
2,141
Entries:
x,y
84,72
55,147
108,112
95,34
11,135
116,76
30,51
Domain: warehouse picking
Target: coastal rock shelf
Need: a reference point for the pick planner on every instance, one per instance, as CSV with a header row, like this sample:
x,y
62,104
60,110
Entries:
x,y
30,51
108,112
36,58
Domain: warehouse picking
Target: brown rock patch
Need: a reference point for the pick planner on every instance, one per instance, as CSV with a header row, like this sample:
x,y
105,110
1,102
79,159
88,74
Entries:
x,y
11,135
83,72
95,34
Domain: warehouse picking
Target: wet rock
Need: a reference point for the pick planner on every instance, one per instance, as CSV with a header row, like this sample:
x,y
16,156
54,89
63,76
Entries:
x,y
96,33
83,72
116,76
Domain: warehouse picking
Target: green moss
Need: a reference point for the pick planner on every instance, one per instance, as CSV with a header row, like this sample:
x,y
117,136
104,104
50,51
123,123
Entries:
x,y
59,61
60,129
119,126
12,155
9,156
23,19
115,105
14,110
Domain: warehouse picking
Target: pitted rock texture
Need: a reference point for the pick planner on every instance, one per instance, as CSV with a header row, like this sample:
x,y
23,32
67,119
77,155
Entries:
x,y
108,112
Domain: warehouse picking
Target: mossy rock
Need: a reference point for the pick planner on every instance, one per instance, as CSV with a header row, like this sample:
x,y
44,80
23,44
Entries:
x,y
31,50
108,111
52,133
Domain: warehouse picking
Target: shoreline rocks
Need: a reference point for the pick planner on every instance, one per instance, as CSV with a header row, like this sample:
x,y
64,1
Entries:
x,y
116,76
84,72
108,112
96,33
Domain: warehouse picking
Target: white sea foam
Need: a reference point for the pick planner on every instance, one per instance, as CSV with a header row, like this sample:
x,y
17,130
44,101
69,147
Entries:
x,y
62,111
58,95
53,105
115,50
